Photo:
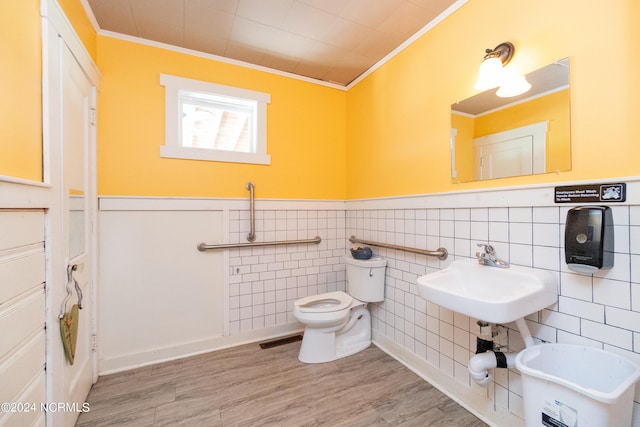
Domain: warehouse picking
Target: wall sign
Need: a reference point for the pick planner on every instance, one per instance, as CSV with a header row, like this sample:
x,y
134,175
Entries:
x,y
591,193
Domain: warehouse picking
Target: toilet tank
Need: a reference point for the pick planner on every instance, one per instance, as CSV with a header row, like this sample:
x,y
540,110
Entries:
x,y
365,278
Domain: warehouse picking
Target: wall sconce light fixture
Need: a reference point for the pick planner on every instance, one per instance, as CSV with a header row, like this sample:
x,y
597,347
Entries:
x,y
492,73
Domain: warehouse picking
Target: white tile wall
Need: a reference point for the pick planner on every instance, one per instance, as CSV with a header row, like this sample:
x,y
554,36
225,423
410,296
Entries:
x,y
602,310
265,281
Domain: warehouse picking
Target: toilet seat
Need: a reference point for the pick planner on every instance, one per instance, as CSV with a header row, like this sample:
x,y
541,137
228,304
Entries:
x,y
324,303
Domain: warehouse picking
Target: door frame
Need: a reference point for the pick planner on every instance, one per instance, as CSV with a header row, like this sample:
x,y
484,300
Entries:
x,y
56,32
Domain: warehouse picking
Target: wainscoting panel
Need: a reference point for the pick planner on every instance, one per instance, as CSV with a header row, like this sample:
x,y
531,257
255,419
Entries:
x,y
22,316
158,296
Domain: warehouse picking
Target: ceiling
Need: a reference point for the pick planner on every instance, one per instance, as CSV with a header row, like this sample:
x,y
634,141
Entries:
x,y
330,40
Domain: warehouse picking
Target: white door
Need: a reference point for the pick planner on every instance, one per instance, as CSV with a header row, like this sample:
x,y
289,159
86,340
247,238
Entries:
x,y
505,158
78,189
516,152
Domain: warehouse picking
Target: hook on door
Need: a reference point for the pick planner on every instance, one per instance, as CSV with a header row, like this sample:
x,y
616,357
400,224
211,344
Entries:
x,y
70,279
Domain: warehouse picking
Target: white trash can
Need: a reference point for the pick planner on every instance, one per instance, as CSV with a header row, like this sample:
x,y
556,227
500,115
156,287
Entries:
x,y
567,385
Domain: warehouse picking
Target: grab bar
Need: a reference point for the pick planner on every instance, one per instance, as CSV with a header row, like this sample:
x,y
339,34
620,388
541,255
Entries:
x,y
252,212
441,253
204,247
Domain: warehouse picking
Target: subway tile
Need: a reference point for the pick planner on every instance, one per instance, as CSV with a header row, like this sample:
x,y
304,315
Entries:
x,y
446,348
620,214
569,338
560,320
634,215
479,231
501,397
433,325
520,233
501,383
527,236
433,356
516,404
547,258
607,334
546,234
447,229
550,215
520,215
462,247
498,232
581,309
479,214
433,228
520,255
543,332
634,239
446,331
461,338
462,214
447,214
461,360
625,319
446,364
577,286
635,297
611,292
499,214
515,381
620,269
446,315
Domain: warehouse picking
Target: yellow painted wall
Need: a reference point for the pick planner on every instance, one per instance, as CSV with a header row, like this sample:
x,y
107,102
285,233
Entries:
x,y
305,130
386,136
21,89
464,126
398,117
76,14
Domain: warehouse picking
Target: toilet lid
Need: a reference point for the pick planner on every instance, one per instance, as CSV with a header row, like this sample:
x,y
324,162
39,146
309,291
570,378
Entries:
x,y
323,303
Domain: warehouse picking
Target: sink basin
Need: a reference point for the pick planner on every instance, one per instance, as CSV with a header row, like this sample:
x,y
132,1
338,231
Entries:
x,y
492,294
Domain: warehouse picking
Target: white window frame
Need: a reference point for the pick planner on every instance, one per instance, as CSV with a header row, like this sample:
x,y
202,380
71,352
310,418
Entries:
x,y
173,148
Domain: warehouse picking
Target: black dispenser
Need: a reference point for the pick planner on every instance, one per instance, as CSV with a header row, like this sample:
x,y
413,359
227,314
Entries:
x,y
588,239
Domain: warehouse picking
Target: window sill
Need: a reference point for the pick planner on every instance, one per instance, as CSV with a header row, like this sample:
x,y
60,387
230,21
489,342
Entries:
x,y
213,155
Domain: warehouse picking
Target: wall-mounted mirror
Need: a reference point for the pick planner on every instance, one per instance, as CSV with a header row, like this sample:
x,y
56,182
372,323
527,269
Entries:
x,y
493,137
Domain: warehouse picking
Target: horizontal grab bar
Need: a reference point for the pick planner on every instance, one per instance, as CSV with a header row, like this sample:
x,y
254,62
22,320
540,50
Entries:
x,y
204,247
441,253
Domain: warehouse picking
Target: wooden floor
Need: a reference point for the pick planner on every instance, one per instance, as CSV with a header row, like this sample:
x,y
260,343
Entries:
x,y
248,386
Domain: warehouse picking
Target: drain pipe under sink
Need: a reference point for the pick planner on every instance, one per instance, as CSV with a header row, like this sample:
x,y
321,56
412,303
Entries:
x,y
480,364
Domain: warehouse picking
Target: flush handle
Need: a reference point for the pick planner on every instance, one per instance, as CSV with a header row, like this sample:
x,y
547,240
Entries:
x,y
370,272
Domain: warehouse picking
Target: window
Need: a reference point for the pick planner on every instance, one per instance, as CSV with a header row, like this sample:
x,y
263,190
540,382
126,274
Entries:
x,y
207,121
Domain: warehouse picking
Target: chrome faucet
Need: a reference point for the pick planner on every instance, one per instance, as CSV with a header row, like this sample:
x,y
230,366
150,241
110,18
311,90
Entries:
x,y
488,257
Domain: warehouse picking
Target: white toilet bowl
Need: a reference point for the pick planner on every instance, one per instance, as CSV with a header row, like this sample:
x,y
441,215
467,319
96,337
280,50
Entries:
x,y
324,310
336,323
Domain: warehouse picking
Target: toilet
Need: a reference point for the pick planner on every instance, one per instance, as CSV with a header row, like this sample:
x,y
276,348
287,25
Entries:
x,y
338,324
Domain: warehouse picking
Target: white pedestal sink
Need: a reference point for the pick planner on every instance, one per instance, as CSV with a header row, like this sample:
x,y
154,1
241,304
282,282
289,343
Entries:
x,y
492,294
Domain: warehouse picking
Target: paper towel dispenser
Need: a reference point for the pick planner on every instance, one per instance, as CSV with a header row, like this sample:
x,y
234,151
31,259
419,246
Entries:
x,y
588,239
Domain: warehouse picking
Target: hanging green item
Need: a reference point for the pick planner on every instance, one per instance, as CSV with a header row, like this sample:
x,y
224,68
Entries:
x,y
69,332
69,319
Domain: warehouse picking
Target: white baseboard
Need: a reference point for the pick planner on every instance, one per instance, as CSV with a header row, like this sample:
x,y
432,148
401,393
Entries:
x,y
479,405
159,355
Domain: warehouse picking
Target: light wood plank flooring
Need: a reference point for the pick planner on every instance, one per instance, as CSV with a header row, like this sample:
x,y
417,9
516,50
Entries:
x,y
248,386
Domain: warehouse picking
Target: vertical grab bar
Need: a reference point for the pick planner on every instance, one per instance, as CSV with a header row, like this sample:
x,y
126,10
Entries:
x,y
252,212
